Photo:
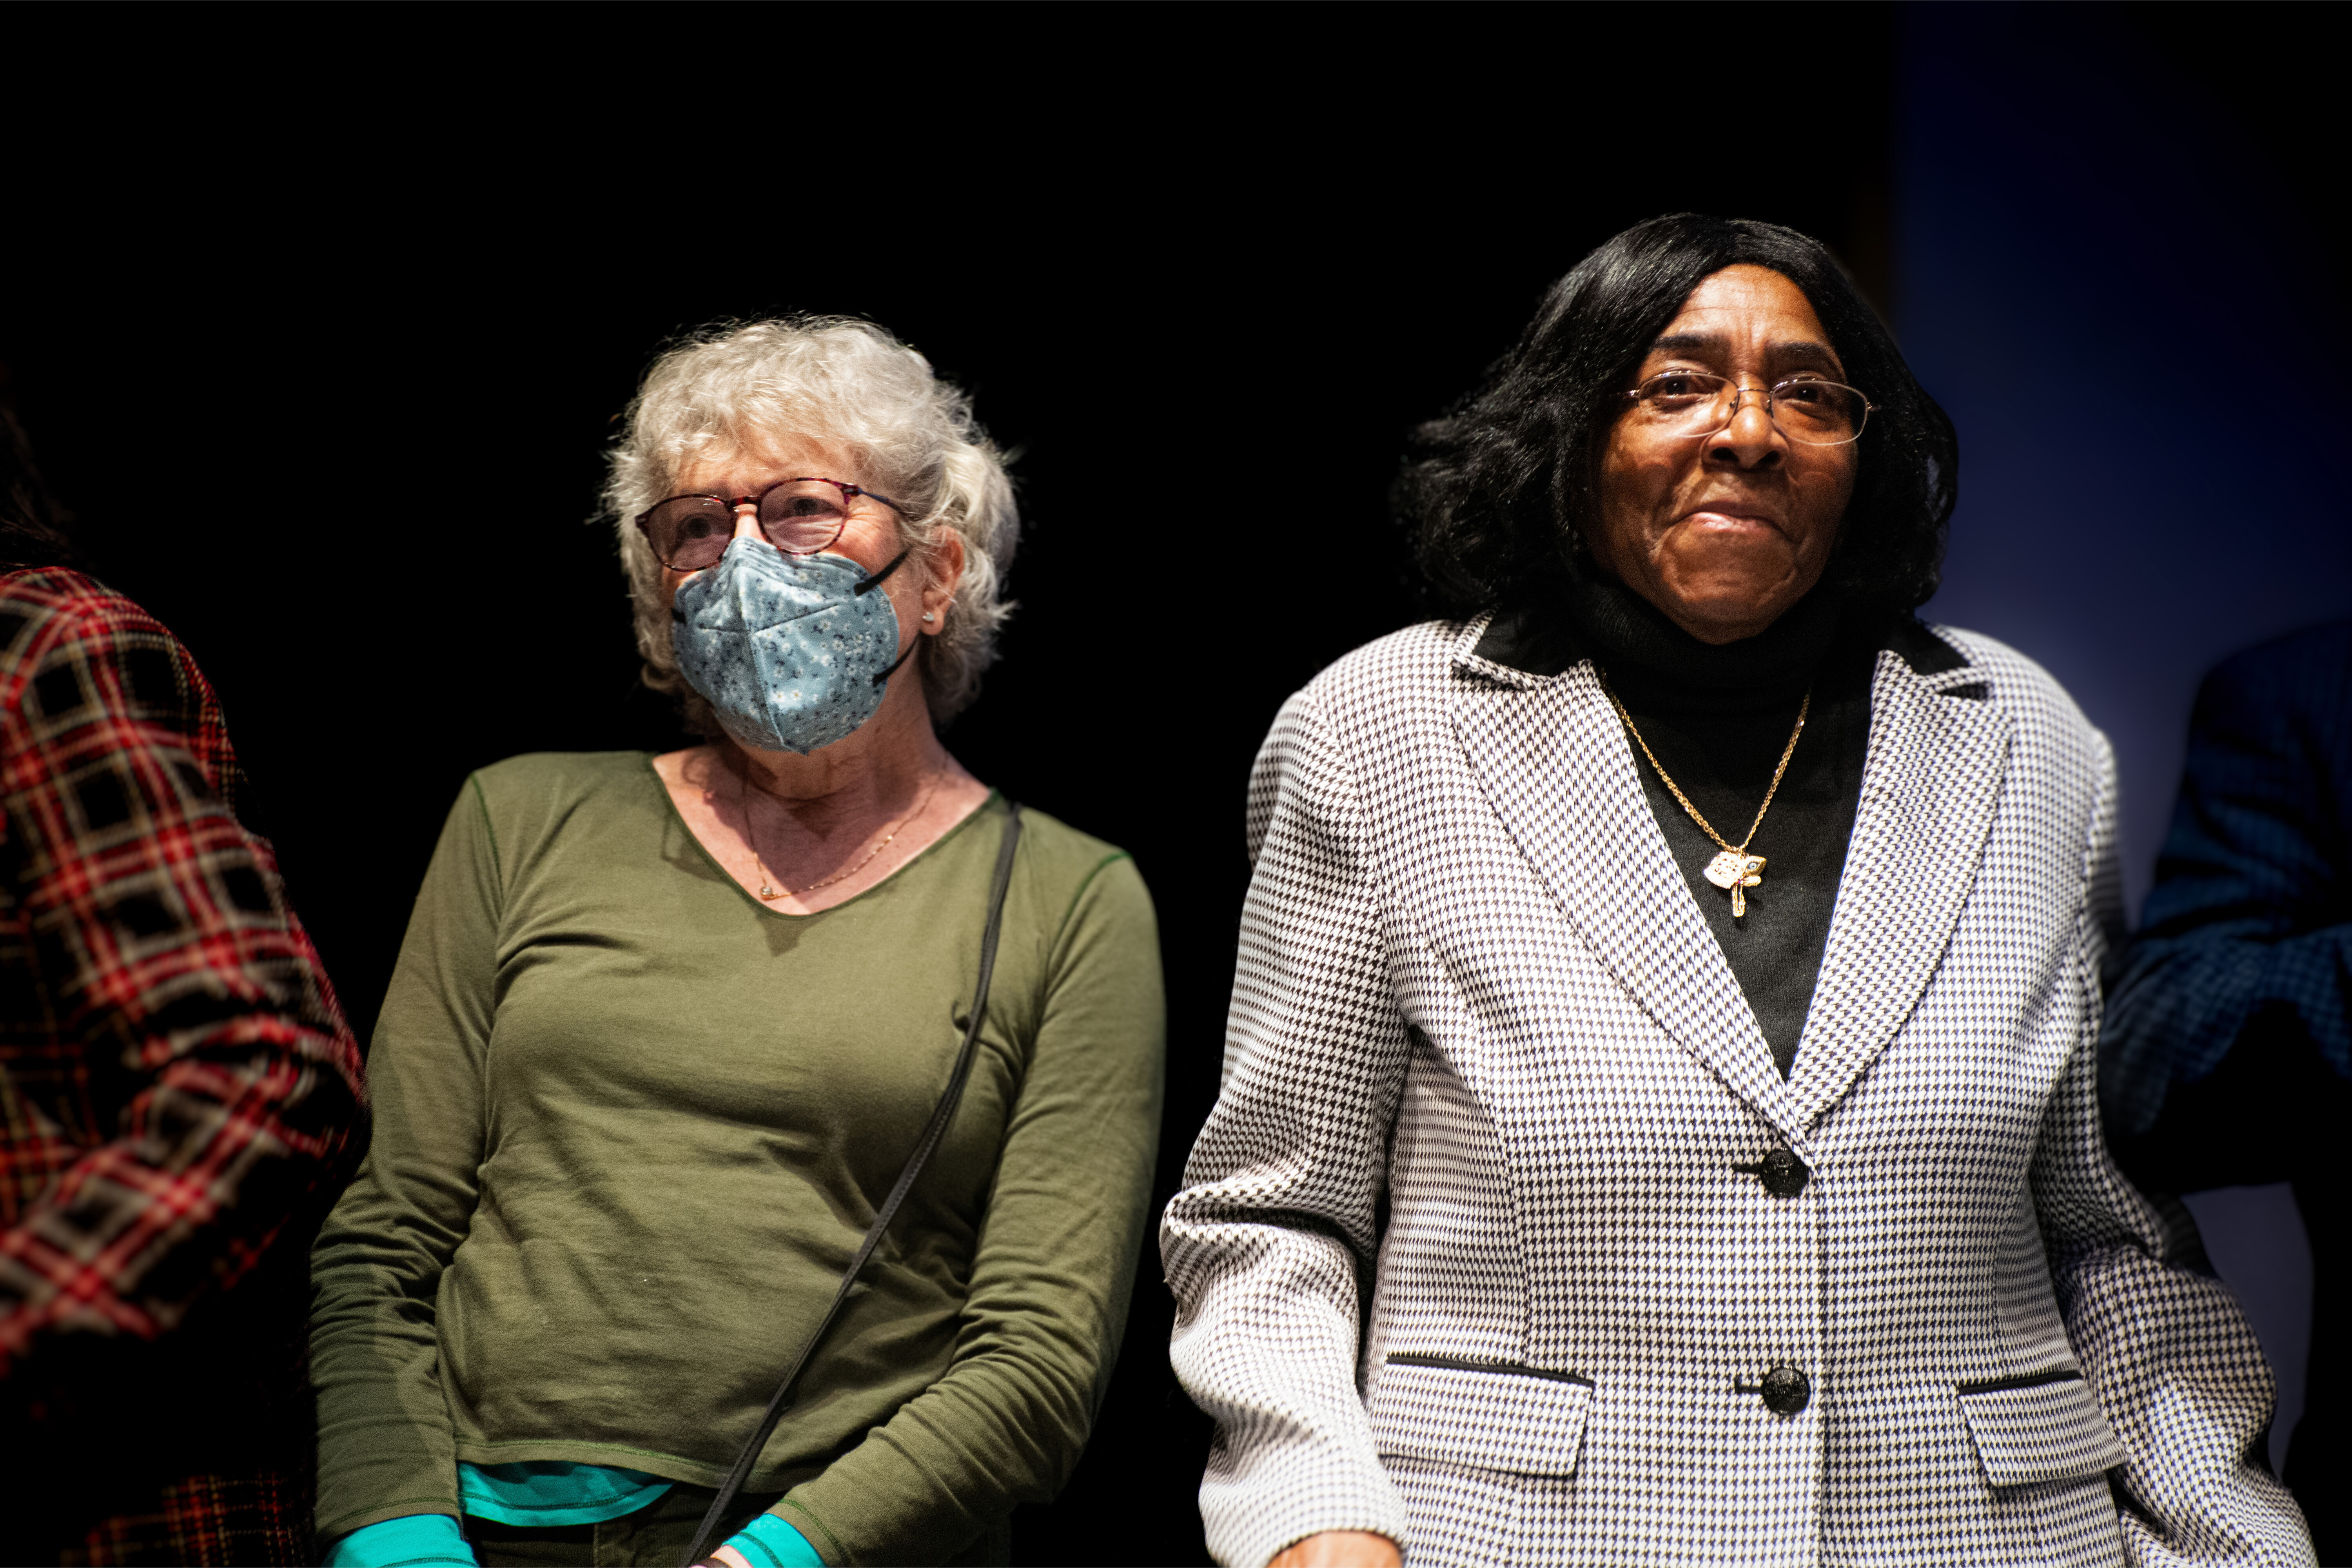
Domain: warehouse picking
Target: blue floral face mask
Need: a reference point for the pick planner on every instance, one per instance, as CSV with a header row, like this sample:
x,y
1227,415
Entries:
x,y
793,651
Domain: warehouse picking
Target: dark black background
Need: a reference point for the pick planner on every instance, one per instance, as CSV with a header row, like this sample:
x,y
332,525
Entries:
x,y
320,319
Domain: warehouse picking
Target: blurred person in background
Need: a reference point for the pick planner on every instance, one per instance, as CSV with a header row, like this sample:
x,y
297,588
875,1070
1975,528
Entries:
x,y
2228,1053
665,1029
179,1094
1660,1119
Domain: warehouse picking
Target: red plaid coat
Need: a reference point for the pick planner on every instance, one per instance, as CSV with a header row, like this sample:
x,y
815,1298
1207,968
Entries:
x,y
177,1085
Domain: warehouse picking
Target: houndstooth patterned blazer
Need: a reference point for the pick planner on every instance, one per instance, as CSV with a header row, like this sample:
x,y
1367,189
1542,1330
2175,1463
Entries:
x,y
1477,1249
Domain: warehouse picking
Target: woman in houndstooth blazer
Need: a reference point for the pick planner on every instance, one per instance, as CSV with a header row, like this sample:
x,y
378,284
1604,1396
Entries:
x,y
1592,1184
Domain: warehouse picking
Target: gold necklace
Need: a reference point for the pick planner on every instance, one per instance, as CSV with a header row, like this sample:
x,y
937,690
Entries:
x,y
1734,868
769,891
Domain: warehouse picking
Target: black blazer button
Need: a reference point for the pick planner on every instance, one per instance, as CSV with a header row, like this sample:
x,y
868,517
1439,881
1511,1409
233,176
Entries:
x,y
1783,1175
1787,1390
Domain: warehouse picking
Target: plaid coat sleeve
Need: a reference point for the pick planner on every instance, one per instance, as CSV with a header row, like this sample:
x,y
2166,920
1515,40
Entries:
x,y
175,1075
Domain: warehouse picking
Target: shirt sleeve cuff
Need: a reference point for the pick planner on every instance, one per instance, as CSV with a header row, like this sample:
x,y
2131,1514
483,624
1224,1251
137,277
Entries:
x,y
413,1541
769,1542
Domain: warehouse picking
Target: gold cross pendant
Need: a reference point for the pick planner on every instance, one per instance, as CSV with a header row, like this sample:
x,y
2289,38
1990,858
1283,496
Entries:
x,y
1738,872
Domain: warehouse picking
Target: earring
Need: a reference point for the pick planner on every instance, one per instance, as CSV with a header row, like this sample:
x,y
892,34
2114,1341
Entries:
x,y
929,617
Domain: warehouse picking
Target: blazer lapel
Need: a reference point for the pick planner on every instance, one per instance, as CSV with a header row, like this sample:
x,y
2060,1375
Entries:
x,y
1929,784
1553,760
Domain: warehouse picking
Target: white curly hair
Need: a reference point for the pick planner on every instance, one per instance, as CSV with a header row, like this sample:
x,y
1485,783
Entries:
x,y
838,380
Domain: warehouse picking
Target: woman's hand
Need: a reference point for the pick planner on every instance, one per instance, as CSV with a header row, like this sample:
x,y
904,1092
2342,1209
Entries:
x,y
1340,1549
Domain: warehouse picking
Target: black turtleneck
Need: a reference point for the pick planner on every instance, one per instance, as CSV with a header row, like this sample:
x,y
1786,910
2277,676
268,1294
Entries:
x,y
1717,719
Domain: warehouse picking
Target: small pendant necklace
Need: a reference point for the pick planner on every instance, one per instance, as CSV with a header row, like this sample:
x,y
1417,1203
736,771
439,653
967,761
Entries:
x,y
1735,869
769,891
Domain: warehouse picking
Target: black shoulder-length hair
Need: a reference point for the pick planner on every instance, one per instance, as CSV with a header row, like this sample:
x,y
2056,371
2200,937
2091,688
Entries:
x,y
34,530
1495,498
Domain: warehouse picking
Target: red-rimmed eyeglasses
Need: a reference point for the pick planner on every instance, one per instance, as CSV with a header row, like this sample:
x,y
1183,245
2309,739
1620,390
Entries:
x,y
799,517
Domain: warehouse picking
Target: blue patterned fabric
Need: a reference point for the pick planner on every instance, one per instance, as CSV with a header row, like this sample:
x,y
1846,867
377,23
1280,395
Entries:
x,y
2250,912
790,650
555,1491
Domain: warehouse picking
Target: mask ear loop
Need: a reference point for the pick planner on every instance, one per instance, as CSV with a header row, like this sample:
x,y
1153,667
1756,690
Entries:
x,y
876,582
902,658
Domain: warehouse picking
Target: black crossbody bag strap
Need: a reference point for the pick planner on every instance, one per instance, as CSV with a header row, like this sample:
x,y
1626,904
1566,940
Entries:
x,y
942,1114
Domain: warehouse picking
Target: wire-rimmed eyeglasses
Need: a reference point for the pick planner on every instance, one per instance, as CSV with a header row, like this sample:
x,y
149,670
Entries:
x,y
1807,410
799,517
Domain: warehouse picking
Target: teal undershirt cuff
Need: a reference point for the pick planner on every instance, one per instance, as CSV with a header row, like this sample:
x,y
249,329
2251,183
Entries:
x,y
413,1541
769,1542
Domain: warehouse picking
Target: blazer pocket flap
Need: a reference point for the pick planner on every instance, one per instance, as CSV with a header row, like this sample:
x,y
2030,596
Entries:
x,y
1516,1419
2040,1431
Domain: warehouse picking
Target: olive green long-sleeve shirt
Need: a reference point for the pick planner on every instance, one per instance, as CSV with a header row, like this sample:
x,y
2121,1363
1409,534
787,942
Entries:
x,y
630,1126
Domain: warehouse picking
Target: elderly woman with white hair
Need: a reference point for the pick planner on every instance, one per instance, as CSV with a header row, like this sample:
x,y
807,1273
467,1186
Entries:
x,y
798,1055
